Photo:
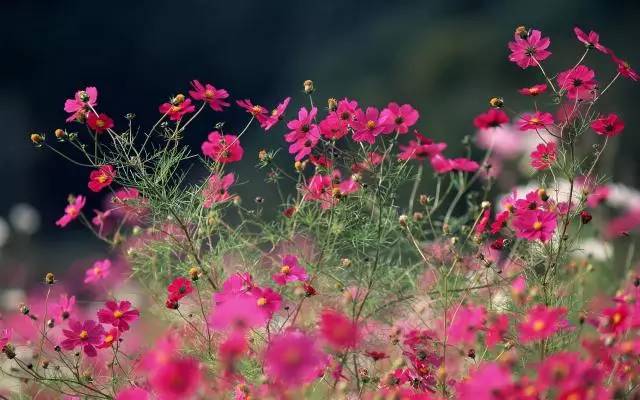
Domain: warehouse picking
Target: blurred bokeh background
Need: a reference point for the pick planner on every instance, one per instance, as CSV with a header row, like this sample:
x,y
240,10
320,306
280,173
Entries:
x,y
447,58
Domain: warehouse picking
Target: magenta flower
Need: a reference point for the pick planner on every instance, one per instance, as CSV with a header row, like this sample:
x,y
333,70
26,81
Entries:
x,y
99,123
133,393
534,90
399,118
421,148
465,323
5,336
304,134
293,359
87,334
267,300
608,125
464,164
624,68
100,219
80,105
538,120
101,178
212,96
367,125
216,189
578,82
64,306
117,314
176,378
110,338
99,271
544,156
276,115
256,111
238,314
541,323
303,146
491,119
223,149
235,285
592,40
72,211
526,51
176,110
338,330
441,164
535,224
179,288
333,128
290,271
497,328
487,382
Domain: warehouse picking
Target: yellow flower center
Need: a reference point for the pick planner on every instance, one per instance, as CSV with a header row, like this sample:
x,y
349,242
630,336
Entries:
x,y
102,178
108,339
175,109
535,120
83,335
255,110
616,318
537,225
209,93
285,269
99,123
261,301
117,314
538,325
371,124
97,270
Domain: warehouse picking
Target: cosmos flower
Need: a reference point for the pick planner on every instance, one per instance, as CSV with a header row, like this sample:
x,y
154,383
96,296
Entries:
x,y
526,51
534,90
535,224
72,211
177,110
578,82
101,178
293,359
608,125
592,40
544,156
208,93
216,189
541,322
399,118
290,271
222,148
79,106
119,314
338,330
367,125
87,334
99,123
100,270
491,119
537,120
237,314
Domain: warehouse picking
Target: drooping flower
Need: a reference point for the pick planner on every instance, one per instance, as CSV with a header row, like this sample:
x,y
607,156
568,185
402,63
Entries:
x,y
534,90
177,109
208,93
276,115
290,271
258,112
491,119
528,51
543,156
237,314
578,82
624,68
592,40
179,288
399,118
267,299
223,149
541,322
535,224
100,270
481,226
119,314
216,189
367,125
87,334
293,358
338,330
99,123
538,120
101,178
608,125
81,104
64,307
72,211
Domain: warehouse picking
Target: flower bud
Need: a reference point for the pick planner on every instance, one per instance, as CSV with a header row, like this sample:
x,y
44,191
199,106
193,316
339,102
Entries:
x,y
522,31
9,350
37,139
49,278
300,165
345,262
403,219
60,134
308,86
179,99
496,102
424,199
332,104
263,155
542,193
51,323
194,273
309,290
418,216
585,217
485,205
356,177
24,309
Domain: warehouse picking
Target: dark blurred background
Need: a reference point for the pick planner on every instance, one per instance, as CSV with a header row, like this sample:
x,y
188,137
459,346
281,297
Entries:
x,y
444,57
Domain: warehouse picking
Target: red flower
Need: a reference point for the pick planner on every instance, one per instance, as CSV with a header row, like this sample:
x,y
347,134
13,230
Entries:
x,y
608,125
624,68
119,315
223,149
491,119
526,51
338,330
533,90
176,110
99,123
592,40
544,156
179,288
214,97
101,178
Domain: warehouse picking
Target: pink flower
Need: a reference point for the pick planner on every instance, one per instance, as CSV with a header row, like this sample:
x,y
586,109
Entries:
x,y
267,300
214,97
290,271
538,120
544,156
304,134
608,125
233,348
82,102
496,329
488,382
179,288
236,285
491,119
440,164
338,330
616,320
598,196
238,314
216,189
483,222
541,323
5,337
178,378
624,68
420,149
87,335
367,125
526,51
592,40
293,359
99,271
110,338
72,211
64,306
399,118
579,82
464,323
535,224
133,394
100,219
303,146
101,178
119,315
464,164
276,115
177,110
223,149
534,90
333,128
256,111
99,123
500,222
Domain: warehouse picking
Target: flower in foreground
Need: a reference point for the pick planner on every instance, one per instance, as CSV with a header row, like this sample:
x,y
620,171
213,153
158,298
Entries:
x,y
101,178
538,120
578,82
177,109
267,299
119,314
87,334
491,119
99,123
367,125
541,322
212,96
399,118
290,271
338,330
527,52
543,156
535,224
487,382
608,125
100,270
79,106
72,211
177,378
216,189
134,393
293,359
223,149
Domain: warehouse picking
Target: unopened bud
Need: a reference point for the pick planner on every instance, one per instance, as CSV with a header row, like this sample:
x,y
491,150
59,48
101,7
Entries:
x,y
24,309
522,31
308,86
262,155
194,273
49,278
179,99
496,102
332,104
37,139
424,199
300,165
60,134
345,262
418,216
485,204
403,219
585,217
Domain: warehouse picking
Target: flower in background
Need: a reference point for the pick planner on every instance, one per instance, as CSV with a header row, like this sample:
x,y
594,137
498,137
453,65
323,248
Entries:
x,y
538,120
101,178
290,271
258,112
616,320
293,359
100,219
367,125
497,328
237,284
464,164
534,90
110,338
624,68
597,196
399,118
100,270
440,164
134,393
276,115
238,314
177,109
179,288
99,123
72,211
578,82
465,322
80,105
491,119
544,156
5,336
212,96
63,308
592,40
176,378
117,314
542,322
267,300
530,50
87,334
608,125
535,224
223,149
216,189
338,330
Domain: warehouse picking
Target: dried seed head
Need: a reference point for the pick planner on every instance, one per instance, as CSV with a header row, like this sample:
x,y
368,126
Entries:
x,y
418,216
308,86
542,193
403,219
485,205
345,262
300,165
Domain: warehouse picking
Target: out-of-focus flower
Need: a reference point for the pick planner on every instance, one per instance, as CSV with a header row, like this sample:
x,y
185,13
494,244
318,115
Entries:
x,y
293,359
541,322
338,330
534,90
491,119
100,270
216,189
